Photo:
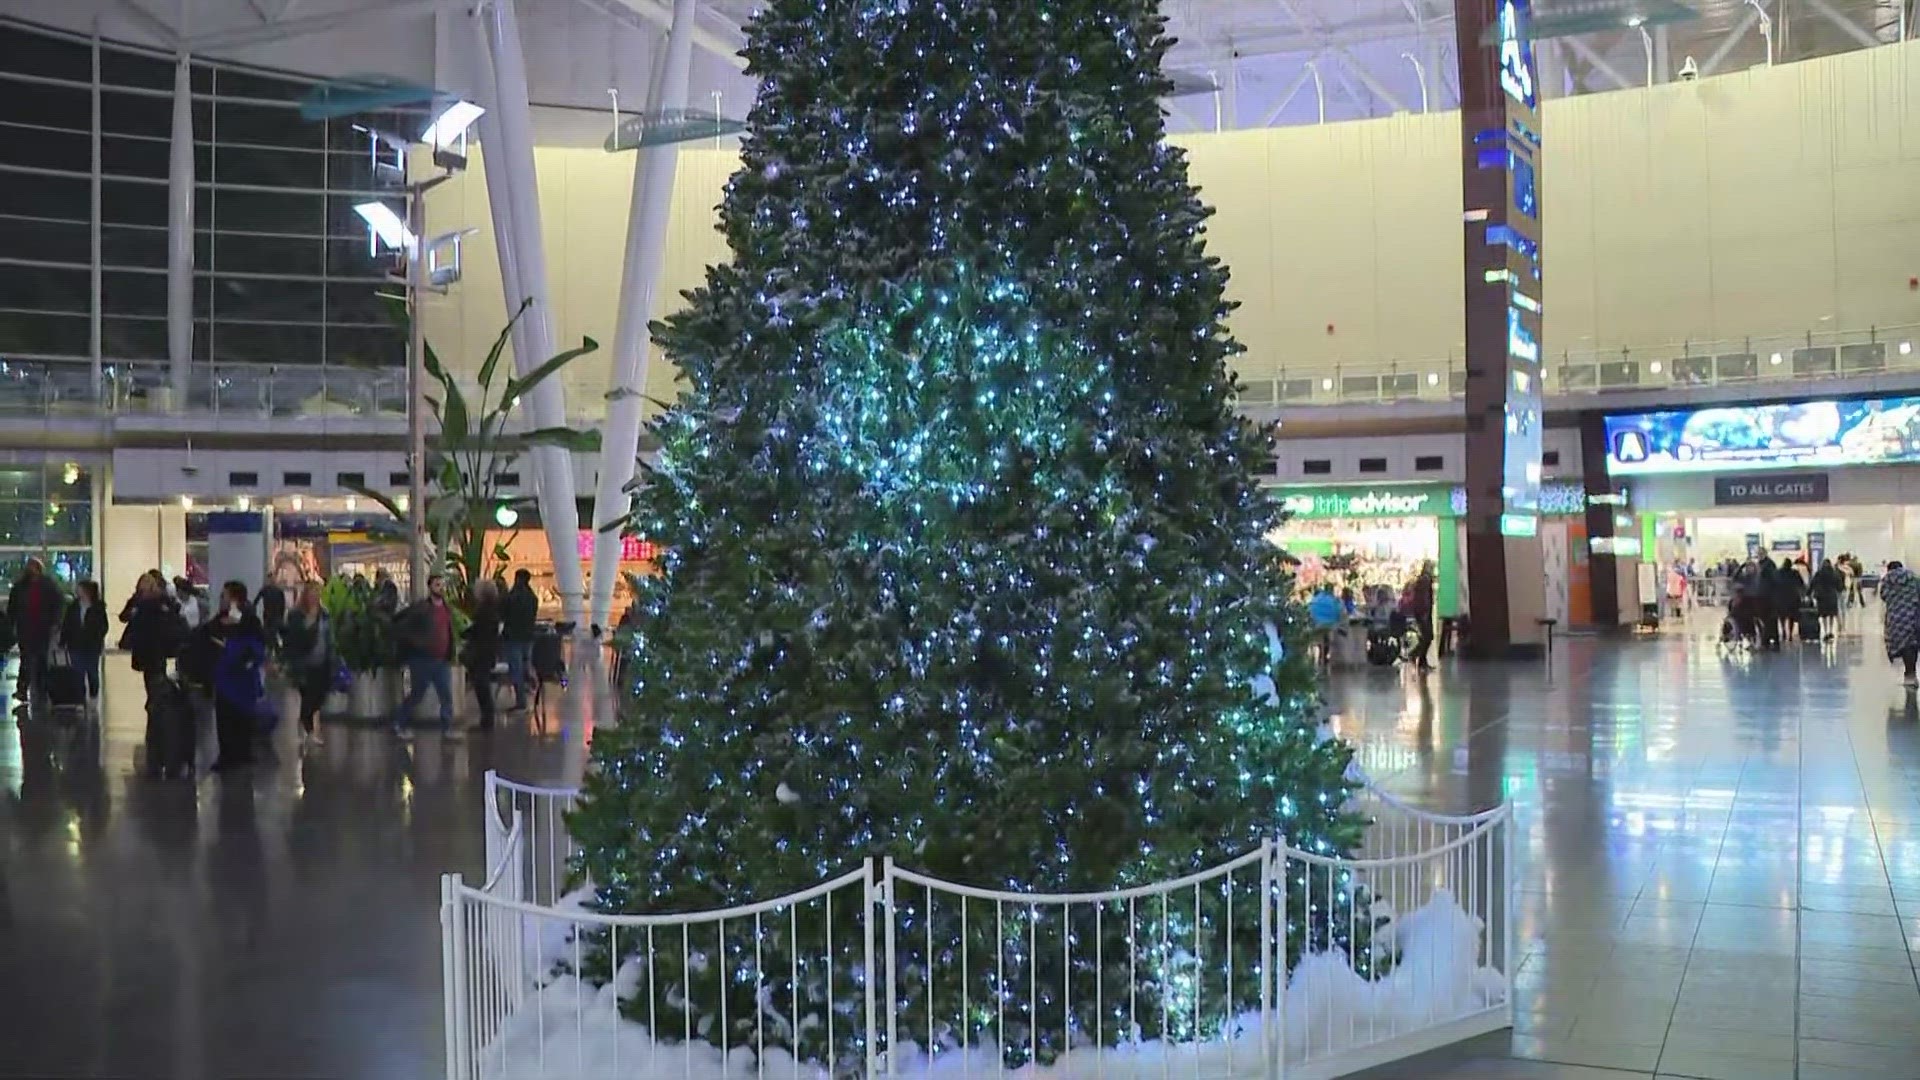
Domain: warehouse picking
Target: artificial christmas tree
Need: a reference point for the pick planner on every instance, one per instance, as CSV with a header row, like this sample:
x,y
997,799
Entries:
x,y
966,553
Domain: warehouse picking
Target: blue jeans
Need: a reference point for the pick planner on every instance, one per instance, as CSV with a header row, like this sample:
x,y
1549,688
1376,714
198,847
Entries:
x,y
519,658
88,664
422,674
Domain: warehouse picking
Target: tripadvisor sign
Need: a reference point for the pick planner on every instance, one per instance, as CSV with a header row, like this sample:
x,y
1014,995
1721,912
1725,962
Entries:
x,y
1366,502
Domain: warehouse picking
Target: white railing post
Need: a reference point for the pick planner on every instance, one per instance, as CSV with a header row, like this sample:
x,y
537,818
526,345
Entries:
x,y
866,921
1510,962
1269,1016
452,973
887,891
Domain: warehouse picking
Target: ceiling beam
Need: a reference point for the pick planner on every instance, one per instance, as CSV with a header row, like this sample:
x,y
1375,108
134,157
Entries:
x,y
1599,63
1366,78
1852,29
724,44
1286,99
148,20
315,24
1735,35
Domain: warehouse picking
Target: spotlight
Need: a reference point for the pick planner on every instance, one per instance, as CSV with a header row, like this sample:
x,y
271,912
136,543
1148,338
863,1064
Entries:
x,y
385,225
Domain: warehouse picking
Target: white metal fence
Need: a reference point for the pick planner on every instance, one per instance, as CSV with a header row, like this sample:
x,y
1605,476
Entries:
x,y
896,972
549,847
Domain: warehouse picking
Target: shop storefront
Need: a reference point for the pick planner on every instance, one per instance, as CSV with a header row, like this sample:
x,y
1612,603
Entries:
x,y
1359,537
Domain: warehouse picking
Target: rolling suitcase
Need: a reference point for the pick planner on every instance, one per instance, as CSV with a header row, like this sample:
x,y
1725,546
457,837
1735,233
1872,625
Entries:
x,y
65,687
172,731
1810,629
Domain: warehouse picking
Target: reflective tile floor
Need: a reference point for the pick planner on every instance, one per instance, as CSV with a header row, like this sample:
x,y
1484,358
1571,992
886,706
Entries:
x,y
1719,857
1719,873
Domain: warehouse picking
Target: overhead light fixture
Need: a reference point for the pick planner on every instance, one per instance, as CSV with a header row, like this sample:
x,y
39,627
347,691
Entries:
x,y
451,125
1655,367
1433,378
297,502
1777,360
1906,348
1326,384
401,503
244,502
385,225
71,474
506,516
353,504
186,502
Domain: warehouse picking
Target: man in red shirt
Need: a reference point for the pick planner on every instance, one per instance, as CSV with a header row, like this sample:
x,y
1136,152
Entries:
x,y
34,606
426,639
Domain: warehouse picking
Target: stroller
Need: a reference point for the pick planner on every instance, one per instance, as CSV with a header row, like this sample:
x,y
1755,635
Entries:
x,y
1391,640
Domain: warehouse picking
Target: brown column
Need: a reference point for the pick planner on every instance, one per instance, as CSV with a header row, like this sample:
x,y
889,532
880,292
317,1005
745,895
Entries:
x,y
1603,567
1500,155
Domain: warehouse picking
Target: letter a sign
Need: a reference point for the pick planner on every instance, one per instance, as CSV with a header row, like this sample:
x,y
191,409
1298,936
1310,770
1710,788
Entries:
x,y
1516,53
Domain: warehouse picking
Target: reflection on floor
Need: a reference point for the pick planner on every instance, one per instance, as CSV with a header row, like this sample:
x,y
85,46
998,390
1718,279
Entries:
x,y
1719,853
1720,873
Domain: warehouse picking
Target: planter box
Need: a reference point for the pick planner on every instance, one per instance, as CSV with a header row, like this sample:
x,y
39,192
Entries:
x,y
373,694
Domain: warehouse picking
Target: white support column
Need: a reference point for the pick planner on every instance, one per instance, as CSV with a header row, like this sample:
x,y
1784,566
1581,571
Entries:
x,y
647,222
514,195
180,233
95,345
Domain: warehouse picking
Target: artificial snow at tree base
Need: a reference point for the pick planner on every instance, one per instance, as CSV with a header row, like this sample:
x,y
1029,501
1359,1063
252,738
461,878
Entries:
x,y
515,1011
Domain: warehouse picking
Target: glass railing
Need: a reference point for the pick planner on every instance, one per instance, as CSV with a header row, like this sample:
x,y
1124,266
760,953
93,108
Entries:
x,y
1737,362
50,388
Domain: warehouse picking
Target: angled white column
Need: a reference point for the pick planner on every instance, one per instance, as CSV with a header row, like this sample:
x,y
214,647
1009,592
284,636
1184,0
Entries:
x,y
514,198
180,232
647,222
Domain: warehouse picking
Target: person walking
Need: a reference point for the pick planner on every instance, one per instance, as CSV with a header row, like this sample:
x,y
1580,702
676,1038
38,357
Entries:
x,y
272,607
518,617
482,649
424,632
239,691
33,606
1900,592
386,592
1789,595
1829,584
83,630
192,608
1420,596
155,629
307,650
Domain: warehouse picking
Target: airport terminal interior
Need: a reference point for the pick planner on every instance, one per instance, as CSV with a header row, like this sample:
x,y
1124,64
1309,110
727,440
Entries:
x,y
687,539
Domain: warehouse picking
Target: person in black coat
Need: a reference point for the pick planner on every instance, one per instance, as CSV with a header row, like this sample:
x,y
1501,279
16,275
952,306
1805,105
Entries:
x,y
83,630
155,629
482,649
1789,595
519,616
1829,584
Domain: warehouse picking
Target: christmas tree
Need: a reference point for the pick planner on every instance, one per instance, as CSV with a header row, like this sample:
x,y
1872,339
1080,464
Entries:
x,y
966,552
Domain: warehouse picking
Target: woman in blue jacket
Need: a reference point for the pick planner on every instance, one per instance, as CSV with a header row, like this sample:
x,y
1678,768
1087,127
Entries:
x,y
239,691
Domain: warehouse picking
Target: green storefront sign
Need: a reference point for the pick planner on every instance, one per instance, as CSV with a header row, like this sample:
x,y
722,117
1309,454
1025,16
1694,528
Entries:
x,y
1385,501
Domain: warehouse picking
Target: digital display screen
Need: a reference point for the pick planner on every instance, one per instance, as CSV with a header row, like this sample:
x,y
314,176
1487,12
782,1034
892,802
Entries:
x,y
1876,431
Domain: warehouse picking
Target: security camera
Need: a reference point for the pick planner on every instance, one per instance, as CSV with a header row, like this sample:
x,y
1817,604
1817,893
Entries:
x,y
1689,70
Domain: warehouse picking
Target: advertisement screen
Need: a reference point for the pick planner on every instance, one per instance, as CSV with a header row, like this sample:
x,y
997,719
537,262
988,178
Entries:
x,y
1800,434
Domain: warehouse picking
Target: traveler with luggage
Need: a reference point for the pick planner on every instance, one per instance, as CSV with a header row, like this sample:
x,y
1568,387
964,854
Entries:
x,y
1829,585
307,653
83,631
424,633
518,616
239,656
33,606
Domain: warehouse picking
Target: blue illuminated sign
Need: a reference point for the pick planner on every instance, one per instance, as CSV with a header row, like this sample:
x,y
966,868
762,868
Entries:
x,y
1876,431
1516,51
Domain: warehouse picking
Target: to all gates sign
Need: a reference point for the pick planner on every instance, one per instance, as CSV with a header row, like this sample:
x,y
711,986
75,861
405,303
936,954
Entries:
x,y
1766,489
